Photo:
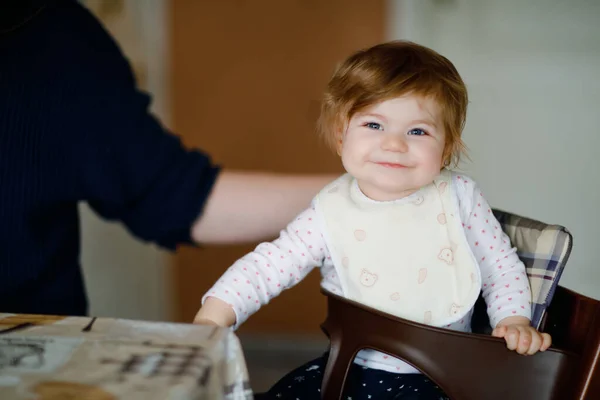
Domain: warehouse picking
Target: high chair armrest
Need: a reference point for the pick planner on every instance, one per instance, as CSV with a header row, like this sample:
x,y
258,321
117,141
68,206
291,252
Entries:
x,y
465,366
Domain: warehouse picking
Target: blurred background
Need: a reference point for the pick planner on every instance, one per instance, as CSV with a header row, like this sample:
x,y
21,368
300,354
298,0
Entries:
x,y
242,80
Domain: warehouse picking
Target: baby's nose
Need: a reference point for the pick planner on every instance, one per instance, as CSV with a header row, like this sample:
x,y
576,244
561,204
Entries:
x,y
395,143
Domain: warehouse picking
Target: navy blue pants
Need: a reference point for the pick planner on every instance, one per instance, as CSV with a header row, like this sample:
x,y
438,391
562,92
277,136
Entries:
x,y
304,383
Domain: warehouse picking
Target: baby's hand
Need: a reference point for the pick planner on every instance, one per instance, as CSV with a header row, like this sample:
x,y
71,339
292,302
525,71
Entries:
x,y
215,312
204,321
521,336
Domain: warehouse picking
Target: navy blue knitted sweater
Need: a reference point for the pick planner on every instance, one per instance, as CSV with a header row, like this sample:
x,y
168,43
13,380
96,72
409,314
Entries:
x,y
73,128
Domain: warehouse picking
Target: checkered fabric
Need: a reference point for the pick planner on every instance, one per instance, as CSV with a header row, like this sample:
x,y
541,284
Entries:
x,y
544,249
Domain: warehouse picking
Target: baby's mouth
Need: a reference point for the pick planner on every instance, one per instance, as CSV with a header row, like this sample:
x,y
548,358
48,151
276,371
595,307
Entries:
x,y
390,164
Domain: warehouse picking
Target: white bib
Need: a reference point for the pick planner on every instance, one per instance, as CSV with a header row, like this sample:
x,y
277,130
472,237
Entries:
x,y
409,257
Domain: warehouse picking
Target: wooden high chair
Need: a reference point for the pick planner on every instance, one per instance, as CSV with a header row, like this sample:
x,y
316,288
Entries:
x,y
477,366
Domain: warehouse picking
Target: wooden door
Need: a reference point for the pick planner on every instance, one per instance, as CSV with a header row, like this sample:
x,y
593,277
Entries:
x,y
247,81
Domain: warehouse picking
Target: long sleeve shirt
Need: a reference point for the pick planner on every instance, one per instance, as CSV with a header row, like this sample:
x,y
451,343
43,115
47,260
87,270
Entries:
x,y
272,267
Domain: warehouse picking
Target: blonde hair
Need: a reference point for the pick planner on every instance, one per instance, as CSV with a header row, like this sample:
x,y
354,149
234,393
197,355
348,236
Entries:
x,y
391,70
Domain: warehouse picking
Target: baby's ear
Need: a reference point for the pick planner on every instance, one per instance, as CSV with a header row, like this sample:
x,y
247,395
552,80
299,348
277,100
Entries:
x,y
338,144
339,138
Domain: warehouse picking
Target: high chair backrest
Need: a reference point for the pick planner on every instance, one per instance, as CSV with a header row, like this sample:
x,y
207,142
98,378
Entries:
x,y
544,249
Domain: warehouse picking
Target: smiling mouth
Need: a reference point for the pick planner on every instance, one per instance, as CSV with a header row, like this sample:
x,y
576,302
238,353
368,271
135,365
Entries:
x,y
391,165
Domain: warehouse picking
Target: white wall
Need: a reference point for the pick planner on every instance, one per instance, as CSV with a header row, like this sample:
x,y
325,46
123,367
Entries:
x,y
532,69
126,278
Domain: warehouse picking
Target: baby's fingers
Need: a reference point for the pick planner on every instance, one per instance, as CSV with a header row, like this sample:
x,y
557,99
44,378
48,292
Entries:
x,y
536,341
546,342
499,332
525,340
512,338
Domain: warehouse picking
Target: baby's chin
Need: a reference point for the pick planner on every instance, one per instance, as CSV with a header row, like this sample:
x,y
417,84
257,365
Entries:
x,y
400,183
387,191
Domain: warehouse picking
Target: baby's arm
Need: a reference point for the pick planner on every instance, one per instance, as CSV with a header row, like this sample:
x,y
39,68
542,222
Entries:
x,y
505,284
264,273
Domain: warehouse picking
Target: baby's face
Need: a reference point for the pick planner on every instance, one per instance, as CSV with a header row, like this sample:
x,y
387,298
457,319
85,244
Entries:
x,y
395,147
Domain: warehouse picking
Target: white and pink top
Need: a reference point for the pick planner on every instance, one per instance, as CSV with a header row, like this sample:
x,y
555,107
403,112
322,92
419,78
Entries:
x,y
425,257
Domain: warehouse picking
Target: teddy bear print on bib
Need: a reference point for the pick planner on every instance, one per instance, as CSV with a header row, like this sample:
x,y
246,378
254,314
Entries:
x,y
408,257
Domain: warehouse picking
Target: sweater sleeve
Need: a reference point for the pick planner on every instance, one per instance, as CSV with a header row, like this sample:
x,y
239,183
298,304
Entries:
x,y
505,287
128,166
253,280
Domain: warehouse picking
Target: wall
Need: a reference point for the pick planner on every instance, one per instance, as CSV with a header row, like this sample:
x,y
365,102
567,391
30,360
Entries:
x,y
533,125
125,277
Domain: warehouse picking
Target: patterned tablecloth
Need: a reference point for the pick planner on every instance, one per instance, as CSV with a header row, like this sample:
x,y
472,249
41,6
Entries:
x,y
57,358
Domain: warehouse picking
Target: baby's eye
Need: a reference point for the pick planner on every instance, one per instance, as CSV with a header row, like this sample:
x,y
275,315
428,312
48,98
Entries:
x,y
417,132
374,125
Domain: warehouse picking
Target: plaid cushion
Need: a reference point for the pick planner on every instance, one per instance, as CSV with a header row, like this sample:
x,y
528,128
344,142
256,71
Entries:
x,y
544,249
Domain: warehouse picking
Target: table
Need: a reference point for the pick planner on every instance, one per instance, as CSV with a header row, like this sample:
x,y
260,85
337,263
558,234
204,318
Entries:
x,y
61,358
